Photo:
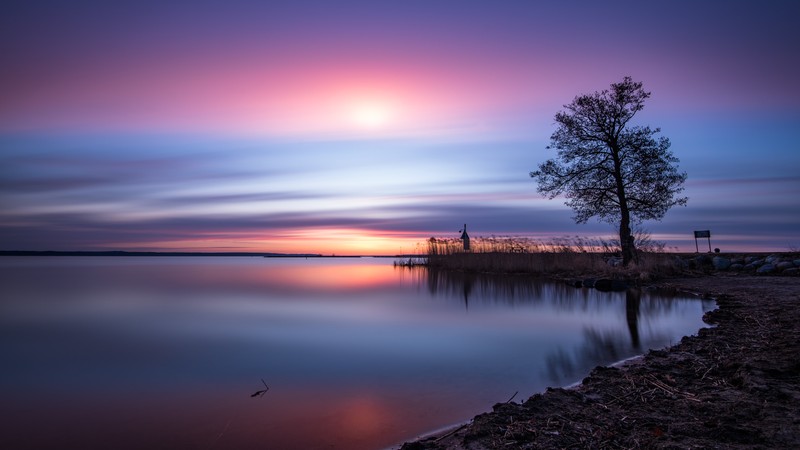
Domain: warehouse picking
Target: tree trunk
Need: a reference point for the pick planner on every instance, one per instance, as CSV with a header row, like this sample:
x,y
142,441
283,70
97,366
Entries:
x,y
626,237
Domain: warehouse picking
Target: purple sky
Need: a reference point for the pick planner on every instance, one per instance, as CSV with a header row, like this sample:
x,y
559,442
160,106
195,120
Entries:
x,y
366,127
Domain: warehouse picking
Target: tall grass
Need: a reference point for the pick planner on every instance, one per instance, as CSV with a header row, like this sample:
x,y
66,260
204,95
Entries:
x,y
515,244
558,256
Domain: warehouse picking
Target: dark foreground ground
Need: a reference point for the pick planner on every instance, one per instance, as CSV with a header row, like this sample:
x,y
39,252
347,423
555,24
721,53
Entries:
x,y
736,385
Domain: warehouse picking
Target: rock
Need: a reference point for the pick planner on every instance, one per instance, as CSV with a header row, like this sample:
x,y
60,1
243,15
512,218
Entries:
x,y
750,268
750,259
772,259
783,265
766,268
721,263
702,260
797,262
758,262
606,284
737,267
738,260
791,272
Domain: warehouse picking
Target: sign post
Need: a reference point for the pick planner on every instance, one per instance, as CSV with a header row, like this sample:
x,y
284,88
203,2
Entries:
x,y
702,234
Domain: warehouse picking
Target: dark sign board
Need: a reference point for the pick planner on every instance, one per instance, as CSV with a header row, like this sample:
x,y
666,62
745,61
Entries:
x,y
702,234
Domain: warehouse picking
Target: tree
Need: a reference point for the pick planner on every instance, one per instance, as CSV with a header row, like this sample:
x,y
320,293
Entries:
x,y
608,168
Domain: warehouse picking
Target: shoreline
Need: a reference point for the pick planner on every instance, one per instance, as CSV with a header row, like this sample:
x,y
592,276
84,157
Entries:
x,y
445,431
735,384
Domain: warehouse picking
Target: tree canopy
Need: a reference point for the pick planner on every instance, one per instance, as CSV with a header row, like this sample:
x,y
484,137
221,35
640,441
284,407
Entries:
x,y
609,168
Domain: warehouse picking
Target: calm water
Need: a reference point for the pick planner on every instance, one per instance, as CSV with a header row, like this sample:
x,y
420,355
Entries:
x,y
133,352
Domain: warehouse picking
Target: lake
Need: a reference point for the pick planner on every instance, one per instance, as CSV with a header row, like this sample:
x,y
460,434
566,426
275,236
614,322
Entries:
x,y
167,352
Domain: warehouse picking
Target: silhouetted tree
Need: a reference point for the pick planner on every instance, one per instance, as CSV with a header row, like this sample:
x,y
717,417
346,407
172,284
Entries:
x,y
608,168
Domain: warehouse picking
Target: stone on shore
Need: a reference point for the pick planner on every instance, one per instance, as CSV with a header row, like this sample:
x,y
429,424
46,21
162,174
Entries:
x,y
721,263
776,264
766,268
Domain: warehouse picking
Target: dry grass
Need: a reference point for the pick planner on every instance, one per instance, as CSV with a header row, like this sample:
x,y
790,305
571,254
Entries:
x,y
562,256
514,244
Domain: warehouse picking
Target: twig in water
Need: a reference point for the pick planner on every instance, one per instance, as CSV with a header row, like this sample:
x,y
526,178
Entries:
x,y
262,391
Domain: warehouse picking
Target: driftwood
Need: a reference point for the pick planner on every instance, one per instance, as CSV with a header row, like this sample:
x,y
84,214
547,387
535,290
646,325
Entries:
x,y
262,391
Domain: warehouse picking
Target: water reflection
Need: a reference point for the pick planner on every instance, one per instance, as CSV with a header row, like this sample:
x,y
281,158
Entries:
x,y
633,301
486,287
600,344
166,352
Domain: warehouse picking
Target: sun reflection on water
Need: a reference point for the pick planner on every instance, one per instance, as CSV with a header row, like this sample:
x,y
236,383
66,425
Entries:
x,y
357,354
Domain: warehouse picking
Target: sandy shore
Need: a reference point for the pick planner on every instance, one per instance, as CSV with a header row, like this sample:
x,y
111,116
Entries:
x,y
734,385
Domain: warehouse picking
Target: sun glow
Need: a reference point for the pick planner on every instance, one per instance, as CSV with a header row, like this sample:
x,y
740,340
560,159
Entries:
x,y
371,114
324,241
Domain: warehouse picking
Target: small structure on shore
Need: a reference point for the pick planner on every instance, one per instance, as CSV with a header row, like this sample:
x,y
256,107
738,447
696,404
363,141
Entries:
x,y
465,238
702,234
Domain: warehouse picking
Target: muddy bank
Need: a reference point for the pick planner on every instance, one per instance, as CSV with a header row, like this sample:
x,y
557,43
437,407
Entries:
x,y
736,385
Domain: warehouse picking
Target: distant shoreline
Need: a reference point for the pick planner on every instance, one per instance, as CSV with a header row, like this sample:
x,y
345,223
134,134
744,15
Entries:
x,y
126,253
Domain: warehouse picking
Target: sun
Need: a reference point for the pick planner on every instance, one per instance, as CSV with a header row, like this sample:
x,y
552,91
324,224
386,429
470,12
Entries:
x,y
371,115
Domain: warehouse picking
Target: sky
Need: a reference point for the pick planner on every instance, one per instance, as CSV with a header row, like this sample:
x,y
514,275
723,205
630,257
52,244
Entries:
x,y
365,127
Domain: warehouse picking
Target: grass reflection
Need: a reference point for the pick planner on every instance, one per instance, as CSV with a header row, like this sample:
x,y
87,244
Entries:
x,y
643,318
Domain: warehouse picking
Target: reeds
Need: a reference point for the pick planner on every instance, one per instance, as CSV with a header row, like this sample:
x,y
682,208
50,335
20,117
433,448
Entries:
x,y
516,244
565,255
